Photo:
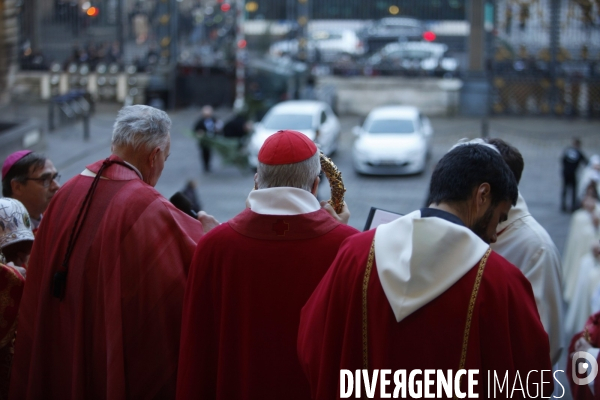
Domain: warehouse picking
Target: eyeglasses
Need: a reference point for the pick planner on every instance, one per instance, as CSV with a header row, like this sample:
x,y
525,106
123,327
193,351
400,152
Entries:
x,y
46,180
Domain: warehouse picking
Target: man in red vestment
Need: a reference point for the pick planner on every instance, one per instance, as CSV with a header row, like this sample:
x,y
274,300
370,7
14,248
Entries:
x,y
429,295
100,314
251,276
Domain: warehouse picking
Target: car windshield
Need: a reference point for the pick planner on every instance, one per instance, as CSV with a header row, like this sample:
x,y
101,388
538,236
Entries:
x,y
324,35
416,54
288,121
390,126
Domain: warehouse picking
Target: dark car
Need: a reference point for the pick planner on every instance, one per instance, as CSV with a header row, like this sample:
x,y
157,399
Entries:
x,y
392,29
413,58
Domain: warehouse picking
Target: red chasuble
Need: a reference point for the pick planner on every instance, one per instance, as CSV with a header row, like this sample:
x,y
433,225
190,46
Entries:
x,y
592,334
247,283
506,333
115,335
11,290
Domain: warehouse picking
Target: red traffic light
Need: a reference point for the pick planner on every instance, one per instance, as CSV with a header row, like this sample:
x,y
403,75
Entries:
x,y
225,7
429,36
242,44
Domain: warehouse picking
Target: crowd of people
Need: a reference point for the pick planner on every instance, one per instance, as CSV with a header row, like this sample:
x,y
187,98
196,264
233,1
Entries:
x,y
109,291
581,257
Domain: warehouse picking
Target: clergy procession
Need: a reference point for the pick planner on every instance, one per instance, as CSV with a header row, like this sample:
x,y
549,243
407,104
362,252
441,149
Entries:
x,y
110,291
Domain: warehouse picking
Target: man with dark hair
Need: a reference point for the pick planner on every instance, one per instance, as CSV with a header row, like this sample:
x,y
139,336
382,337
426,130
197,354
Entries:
x,y
32,179
250,278
527,245
425,292
511,155
571,159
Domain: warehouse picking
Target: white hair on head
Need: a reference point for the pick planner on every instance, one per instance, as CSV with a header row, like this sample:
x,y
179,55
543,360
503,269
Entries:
x,y
299,175
140,127
465,141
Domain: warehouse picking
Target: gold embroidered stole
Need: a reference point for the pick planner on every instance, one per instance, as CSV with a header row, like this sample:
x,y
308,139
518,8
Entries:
x,y
365,287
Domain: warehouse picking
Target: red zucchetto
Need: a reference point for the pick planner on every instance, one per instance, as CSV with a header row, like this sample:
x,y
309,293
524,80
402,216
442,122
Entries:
x,y
286,147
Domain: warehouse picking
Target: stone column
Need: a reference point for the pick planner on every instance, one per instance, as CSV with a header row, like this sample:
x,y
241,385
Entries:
x,y
475,91
8,47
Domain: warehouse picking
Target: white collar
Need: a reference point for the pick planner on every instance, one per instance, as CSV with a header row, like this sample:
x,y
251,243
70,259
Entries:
x,y
87,172
283,201
418,259
137,171
519,211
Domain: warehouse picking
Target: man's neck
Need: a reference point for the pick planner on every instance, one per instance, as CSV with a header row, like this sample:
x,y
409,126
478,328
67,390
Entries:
x,y
129,156
452,209
35,222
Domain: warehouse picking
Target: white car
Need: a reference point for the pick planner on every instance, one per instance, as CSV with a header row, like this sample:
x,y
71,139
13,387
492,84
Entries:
x,y
313,118
393,140
330,44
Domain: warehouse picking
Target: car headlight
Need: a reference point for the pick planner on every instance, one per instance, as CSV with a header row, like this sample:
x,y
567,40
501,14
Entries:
x,y
449,64
429,64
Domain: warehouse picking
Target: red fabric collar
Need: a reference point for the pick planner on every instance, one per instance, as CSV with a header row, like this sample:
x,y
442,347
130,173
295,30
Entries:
x,y
115,172
283,227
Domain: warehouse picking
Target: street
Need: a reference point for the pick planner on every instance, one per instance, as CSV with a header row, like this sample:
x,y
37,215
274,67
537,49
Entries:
x,y
223,191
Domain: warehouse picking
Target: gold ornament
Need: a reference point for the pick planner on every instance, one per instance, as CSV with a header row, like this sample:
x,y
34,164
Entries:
x,y
334,176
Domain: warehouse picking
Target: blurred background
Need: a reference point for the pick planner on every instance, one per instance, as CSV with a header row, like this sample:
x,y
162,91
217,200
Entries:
x,y
534,57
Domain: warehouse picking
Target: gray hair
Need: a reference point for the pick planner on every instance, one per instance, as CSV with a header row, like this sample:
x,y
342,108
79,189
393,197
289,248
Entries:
x,y
299,175
141,126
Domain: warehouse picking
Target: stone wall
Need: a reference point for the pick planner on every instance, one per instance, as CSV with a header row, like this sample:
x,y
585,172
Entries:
x,y
36,85
359,95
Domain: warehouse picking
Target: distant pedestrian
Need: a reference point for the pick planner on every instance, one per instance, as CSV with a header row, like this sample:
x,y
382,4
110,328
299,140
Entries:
x,y
206,127
572,158
237,127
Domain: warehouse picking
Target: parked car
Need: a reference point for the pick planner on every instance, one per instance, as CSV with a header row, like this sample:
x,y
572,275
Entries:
x,y
393,140
392,29
323,45
313,118
414,58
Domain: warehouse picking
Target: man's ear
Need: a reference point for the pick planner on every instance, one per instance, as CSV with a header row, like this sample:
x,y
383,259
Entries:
x,y
153,155
16,187
483,196
315,188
